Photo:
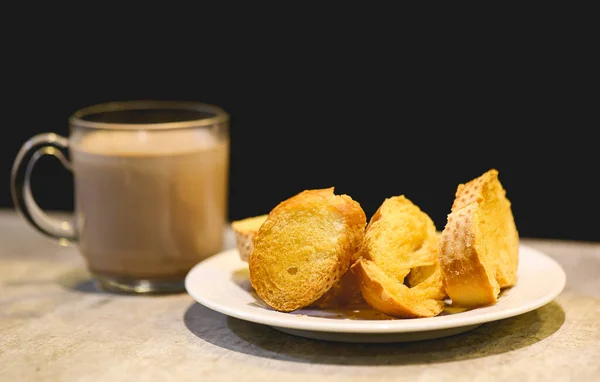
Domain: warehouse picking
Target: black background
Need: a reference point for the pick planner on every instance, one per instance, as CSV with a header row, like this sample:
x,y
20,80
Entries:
x,y
375,109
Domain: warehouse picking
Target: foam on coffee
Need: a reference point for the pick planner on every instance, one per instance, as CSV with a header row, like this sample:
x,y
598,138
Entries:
x,y
131,142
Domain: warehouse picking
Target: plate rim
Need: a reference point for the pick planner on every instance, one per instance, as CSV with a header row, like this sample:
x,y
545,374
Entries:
x,y
299,322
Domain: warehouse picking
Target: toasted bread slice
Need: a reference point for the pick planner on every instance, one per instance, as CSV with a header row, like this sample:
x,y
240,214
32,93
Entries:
x,y
386,294
401,238
344,294
479,248
304,247
244,231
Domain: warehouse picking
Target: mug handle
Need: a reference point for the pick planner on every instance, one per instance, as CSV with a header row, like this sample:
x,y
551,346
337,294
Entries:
x,y
37,146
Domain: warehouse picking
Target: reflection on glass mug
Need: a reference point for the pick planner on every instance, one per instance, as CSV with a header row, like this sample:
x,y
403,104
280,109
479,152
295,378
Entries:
x,y
151,190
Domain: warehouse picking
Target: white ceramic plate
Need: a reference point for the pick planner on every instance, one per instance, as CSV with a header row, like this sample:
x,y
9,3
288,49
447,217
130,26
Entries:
x,y
221,283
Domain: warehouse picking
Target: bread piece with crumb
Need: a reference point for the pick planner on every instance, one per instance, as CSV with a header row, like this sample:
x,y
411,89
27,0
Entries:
x,y
479,248
385,293
344,294
244,231
401,247
304,247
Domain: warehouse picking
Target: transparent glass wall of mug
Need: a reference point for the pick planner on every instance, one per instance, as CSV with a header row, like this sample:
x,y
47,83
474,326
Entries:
x,y
151,190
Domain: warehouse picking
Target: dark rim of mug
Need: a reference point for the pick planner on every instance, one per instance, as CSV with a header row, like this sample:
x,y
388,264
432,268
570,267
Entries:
x,y
220,116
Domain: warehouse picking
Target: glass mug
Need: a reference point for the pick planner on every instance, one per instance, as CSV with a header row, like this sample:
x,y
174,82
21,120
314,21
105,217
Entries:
x,y
151,190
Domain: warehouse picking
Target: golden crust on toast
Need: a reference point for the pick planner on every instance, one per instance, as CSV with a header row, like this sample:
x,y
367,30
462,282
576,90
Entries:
x,y
479,248
304,247
401,238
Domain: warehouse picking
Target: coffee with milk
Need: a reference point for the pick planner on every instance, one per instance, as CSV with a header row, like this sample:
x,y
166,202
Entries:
x,y
150,205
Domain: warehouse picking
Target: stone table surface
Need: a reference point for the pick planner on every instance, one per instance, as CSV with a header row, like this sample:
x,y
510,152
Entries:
x,y
56,326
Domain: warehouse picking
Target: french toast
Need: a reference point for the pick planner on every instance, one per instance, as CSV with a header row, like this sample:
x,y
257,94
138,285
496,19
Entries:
x,y
401,238
304,247
479,247
244,230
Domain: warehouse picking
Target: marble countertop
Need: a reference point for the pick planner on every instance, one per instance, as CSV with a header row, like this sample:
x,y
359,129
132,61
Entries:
x,y
56,326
